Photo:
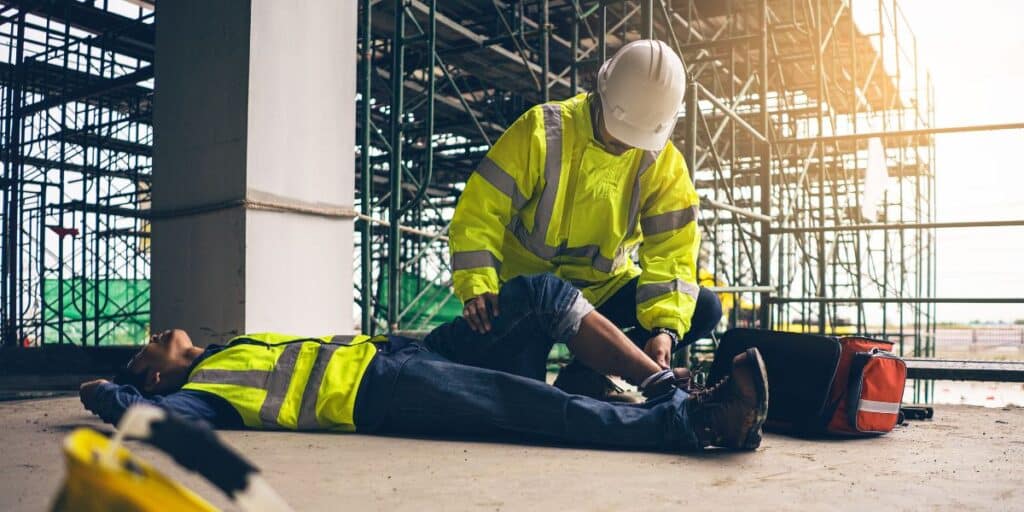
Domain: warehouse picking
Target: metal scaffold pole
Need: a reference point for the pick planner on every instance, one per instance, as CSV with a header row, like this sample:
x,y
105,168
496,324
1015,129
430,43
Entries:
x,y
14,195
545,39
692,121
574,74
647,19
366,174
788,106
766,170
819,69
395,166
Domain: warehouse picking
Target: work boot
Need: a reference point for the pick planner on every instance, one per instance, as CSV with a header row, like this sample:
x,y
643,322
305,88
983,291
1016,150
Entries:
x,y
578,379
730,413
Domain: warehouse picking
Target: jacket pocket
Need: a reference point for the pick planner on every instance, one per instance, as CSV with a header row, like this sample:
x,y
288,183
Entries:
x,y
877,381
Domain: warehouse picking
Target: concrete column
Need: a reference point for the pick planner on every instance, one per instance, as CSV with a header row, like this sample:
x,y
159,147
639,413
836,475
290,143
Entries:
x,y
255,104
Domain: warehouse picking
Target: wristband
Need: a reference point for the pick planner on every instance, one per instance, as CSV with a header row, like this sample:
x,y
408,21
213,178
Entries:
x,y
671,334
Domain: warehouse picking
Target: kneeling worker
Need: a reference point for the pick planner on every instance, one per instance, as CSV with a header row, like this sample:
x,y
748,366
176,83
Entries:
x,y
397,385
574,187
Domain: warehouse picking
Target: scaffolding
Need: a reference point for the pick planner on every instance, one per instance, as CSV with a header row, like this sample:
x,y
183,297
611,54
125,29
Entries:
x,y
76,85
780,93
808,127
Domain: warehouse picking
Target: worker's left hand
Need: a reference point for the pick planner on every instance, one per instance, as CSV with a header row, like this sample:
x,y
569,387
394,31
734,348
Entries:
x,y
87,392
659,348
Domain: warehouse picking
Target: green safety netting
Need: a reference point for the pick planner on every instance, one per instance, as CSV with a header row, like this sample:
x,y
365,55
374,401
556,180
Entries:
x,y
431,304
116,311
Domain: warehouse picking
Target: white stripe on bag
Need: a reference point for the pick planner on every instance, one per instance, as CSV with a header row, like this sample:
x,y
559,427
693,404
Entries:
x,y
879,407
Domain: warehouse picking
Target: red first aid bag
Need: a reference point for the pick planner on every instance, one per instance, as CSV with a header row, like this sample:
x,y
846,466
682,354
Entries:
x,y
868,388
848,386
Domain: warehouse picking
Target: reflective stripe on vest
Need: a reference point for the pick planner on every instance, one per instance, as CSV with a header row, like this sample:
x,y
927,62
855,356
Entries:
x,y
506,184
263,394
535,241
474,259
668,221
501,180
648,291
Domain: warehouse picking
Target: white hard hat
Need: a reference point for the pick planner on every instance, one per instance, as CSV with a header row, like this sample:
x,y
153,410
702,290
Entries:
x,y
641,90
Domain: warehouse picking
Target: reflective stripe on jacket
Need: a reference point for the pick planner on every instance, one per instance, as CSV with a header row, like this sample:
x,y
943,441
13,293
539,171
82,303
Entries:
x,y
279,381
548,198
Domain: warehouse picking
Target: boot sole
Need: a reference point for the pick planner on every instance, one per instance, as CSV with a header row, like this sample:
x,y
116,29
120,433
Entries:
x,y
753,438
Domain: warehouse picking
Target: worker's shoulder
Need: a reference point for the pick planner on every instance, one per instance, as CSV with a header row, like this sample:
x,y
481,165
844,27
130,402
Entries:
x,y
669,171
570,109
670,152
528,122
669,160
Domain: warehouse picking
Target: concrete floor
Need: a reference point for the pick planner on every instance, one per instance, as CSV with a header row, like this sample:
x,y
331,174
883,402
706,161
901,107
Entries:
x,y
968,458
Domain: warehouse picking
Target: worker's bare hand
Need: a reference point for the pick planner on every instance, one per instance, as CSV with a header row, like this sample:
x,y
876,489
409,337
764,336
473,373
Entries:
x,y
659,348
87,392
480,310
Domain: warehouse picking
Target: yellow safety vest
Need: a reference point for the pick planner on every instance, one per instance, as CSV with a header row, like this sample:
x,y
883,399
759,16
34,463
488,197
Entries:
x,y
278,381
549,198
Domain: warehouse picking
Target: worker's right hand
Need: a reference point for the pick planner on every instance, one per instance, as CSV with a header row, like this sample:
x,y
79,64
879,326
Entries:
x,y
479,311
87,392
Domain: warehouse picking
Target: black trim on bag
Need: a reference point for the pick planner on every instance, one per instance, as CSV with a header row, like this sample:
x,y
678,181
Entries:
x,y
801,370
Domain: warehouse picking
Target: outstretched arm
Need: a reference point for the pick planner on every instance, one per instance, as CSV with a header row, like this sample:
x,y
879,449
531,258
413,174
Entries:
x,y
110,401
600,345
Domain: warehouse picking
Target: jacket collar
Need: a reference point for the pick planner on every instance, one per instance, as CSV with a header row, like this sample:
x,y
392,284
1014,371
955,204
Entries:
x,y
584,126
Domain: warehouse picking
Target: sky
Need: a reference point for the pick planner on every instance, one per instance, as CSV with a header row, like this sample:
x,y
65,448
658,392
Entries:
x,y
975,52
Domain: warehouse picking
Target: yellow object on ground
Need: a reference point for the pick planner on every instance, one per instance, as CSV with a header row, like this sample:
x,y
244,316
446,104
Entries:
x,y
549,198
125,482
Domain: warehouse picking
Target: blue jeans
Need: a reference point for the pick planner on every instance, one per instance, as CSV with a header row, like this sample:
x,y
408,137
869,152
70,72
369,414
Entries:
x,y
461,382
536,312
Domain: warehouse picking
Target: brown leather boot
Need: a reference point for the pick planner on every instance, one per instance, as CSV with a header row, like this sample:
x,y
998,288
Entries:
x,y
730,413
578,379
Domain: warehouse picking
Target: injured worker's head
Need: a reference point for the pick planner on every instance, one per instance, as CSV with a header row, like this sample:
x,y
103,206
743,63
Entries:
x,y
162,365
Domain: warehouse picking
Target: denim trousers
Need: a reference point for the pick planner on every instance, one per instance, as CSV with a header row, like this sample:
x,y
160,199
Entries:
x,y
460,382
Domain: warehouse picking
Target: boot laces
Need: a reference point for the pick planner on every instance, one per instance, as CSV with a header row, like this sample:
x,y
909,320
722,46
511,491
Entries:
x,y
703,395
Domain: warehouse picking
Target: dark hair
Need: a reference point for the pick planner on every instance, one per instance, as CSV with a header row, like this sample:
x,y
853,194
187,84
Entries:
x,y
126,377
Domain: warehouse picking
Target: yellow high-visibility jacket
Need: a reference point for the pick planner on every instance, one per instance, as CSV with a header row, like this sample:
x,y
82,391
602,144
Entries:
x,y
549,198
279,381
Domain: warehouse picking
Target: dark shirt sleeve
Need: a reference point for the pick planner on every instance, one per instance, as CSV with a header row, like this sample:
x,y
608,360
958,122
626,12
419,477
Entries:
x,y
113,400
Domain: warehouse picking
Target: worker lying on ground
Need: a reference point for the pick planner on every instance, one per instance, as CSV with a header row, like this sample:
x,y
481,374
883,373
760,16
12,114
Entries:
x,y
395,385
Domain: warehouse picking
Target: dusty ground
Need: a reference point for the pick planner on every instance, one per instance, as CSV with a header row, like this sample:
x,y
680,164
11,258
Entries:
x,y
968,458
